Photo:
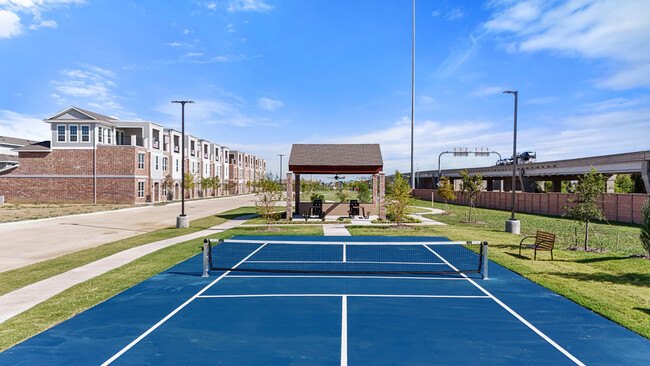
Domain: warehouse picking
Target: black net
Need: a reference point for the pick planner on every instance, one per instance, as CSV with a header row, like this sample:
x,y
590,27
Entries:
x,y
347,257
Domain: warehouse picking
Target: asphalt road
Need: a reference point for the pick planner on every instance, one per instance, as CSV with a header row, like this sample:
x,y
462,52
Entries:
x,y
26,242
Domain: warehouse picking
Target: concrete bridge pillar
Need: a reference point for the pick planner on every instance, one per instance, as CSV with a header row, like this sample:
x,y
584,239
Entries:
x,y
611,183
556,185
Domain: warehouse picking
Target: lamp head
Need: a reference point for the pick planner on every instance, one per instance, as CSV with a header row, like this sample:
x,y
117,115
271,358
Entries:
x,y
509,92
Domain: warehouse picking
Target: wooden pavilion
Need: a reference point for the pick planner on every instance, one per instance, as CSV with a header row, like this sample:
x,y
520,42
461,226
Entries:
x,y
336,159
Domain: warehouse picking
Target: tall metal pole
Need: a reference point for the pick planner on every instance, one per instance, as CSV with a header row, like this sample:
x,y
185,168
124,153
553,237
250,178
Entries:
x,y
280,155
513,225
413,97
182,220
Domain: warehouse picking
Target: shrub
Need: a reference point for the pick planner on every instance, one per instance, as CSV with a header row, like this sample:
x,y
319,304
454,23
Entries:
x,y
645,226
317,196
399,199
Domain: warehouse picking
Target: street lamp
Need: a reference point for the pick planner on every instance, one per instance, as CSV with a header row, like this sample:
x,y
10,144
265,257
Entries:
x,y
182,220
512,224
280,155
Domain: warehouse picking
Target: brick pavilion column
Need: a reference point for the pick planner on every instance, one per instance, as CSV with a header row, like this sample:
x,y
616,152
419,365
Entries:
x,y
382,196
297,192
374,193
289,196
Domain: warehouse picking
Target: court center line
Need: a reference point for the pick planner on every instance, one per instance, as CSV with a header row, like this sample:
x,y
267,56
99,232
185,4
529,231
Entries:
x,y
514,313
348,295
344,330
163,320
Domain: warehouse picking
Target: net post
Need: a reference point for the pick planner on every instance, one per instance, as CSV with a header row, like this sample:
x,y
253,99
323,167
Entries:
x,y
484,267
206,257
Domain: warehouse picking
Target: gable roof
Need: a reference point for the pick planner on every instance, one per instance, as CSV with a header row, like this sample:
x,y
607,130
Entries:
x,y
92,115
336,155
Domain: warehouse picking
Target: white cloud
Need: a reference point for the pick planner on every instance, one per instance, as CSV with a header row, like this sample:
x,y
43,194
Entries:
x,y
457,58
193,54
454,14
615,103
9,24
269,104
611,30
22,126
435,13
187,31
540,100
487,90
248,5
88,85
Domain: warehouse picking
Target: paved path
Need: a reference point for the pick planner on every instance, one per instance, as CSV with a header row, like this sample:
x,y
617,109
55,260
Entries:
x,y
335,230
16,302
28,242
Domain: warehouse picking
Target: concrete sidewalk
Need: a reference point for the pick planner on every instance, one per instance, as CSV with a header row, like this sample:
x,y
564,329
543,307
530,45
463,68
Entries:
x,y
28,242
16,302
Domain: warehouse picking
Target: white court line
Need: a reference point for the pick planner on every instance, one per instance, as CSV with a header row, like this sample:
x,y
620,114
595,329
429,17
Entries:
x,y
348,295
344,330
354,243
198,294
521,319
371,277
344,261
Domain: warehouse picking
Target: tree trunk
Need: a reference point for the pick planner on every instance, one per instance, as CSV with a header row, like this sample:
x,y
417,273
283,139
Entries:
x,y
586,234
470,212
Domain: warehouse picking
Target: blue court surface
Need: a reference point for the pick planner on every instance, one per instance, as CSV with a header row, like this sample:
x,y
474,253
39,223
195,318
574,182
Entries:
x,y
280,318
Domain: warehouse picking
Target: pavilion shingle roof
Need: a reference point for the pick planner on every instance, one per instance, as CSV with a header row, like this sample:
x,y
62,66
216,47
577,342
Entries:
x,y
336,155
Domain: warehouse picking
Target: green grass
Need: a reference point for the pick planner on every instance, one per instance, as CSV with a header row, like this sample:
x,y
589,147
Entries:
x,y
568,232
613,285
94,291
23,276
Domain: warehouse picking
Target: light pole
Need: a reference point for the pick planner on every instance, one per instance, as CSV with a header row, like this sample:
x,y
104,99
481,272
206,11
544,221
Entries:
x,y
182,220
413,96
280,155
512,224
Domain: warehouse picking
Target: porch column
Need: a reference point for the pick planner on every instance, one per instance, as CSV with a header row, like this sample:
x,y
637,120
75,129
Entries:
x,y
374,192
297,192
289,197
382,196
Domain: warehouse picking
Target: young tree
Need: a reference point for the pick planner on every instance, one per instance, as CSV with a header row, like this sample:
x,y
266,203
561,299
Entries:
x,y
267,194
399,199
589,188
364,191
446,191
623,184
645,226
216,184
168,183
472,186
190,183
206,183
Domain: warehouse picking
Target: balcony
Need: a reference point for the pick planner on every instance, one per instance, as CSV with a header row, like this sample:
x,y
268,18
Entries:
x,y
156,144
193,152
205,156
177,149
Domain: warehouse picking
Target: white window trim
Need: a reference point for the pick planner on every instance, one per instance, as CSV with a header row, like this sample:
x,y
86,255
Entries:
x,y
65,133
143,160
141,182
82,135
70,133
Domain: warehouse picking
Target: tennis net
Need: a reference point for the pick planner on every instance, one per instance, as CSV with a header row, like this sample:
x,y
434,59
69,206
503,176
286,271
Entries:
x,y
345,257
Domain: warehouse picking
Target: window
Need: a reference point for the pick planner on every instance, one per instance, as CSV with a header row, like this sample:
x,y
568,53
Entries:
x,y
140,160
164,190
177,165
156,163
108,134
73,133
164,163
85,133
60,130
140,189
100,134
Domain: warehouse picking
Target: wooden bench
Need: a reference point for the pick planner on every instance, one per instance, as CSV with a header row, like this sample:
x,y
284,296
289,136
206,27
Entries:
x,y
543,241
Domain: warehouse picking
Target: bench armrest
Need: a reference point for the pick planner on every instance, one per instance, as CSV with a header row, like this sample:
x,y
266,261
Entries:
x,y
527,237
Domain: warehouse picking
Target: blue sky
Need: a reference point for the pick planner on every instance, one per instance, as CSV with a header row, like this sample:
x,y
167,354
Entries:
x,y
269,73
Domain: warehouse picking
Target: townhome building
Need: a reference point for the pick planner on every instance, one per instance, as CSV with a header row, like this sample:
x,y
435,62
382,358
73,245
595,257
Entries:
x,y
9,157
93,158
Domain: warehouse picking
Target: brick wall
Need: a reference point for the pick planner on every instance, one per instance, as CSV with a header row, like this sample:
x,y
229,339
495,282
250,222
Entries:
x,y
56,162
616,206
47,190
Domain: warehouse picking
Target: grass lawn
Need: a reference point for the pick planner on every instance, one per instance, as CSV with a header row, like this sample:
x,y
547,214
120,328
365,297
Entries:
x,y
569,232
610,284
92,292
27,211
